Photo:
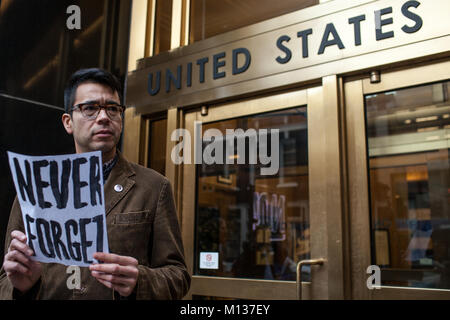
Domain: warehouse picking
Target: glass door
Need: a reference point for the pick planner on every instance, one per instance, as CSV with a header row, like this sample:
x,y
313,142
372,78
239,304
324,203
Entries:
x,y
252,199
399,174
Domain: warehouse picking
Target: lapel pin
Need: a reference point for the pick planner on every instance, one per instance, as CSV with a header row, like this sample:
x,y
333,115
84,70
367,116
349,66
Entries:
x,y
118,188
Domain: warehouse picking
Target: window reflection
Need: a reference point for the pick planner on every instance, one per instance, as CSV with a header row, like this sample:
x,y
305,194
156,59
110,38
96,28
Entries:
x,y
47,52
157,145
258,224
38,54
212,17
163,26
409,135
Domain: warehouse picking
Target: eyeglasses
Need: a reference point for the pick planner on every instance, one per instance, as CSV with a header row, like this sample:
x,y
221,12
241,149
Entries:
x,y
91,110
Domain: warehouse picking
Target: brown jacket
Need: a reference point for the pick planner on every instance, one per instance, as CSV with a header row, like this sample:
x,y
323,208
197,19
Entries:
x,y
141,223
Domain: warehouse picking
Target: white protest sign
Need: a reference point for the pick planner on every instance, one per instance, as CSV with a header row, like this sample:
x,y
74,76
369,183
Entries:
x,y
63,206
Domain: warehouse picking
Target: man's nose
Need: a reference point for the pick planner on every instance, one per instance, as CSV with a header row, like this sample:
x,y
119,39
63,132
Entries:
x,y
102,115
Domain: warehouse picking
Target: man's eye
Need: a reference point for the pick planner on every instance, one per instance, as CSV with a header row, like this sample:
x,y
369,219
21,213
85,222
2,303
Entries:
x,y
113,109
90,108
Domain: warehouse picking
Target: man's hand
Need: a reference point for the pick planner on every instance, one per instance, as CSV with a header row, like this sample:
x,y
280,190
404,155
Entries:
x,y
22,271
116,272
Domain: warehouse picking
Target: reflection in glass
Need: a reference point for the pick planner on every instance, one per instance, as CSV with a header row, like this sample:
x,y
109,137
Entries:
x,y
409,135
212,17
163,26
157,145
39,52
258,224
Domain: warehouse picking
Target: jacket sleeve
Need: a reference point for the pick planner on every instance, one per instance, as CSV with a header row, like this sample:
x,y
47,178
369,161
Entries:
x,y
7,291
167,276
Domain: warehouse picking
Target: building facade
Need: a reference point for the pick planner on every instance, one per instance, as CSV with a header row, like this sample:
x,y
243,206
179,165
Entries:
x,y
38,54
347,102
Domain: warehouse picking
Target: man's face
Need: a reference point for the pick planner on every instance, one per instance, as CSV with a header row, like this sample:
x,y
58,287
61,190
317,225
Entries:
x,y
101,133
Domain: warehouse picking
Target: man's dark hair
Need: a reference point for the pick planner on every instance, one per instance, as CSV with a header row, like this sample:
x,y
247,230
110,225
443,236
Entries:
x,y
93,75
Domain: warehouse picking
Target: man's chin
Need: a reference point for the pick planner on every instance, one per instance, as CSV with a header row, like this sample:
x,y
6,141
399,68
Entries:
x,y
106,149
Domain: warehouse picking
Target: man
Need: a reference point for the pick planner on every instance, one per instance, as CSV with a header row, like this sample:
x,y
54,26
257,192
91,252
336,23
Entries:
x,y
146,259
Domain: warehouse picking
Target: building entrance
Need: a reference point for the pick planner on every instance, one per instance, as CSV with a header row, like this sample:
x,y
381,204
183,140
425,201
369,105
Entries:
x,y
254,207
398,149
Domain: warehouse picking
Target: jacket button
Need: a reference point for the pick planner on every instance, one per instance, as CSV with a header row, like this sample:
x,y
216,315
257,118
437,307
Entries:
x,y
118,188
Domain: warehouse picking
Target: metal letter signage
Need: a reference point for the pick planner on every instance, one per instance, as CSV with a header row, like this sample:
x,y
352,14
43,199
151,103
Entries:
x,y
325,39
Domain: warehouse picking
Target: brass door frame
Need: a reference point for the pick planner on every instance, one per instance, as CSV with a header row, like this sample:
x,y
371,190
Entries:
x,y
358,176
326,197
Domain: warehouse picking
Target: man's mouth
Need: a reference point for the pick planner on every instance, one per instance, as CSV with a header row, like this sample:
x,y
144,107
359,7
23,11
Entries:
x,y
103,133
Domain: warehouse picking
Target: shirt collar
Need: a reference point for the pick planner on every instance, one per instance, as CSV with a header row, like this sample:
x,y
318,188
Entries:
x,y
108,166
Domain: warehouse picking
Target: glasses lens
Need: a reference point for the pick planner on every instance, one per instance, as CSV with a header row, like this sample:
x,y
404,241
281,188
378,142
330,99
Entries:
x,y
114,112
90,110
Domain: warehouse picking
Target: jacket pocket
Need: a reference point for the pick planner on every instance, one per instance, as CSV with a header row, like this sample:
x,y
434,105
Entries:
x,y
129,234
133,218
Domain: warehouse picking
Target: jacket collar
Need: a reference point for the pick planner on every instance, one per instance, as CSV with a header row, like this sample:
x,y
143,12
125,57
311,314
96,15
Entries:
x,y
119,183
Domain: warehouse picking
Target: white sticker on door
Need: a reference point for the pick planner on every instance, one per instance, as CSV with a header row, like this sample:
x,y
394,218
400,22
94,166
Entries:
x,y
209,260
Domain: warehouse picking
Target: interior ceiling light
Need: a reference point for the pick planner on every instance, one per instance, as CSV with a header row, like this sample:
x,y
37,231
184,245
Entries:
x,y
432,118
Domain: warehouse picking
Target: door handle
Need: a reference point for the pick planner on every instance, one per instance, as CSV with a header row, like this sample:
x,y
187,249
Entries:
x,y
299,273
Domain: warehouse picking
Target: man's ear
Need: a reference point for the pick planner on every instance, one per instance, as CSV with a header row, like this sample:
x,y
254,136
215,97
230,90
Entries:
x,y
67,123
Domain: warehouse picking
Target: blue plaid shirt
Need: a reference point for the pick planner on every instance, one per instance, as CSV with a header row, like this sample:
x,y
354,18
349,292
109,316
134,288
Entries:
x,y
108,166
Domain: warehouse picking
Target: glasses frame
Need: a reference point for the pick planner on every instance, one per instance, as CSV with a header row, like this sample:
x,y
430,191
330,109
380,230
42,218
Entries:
x,y
106,106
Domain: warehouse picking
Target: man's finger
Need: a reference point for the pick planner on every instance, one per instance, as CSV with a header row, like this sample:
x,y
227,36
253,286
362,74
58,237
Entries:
x,y
114,258
117,287
19,257
114,279
20,246
15,267
115,269
122,289
19,235
105,283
